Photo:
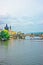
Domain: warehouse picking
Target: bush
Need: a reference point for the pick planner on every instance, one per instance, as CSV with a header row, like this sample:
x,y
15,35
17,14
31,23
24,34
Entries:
x,y
4,35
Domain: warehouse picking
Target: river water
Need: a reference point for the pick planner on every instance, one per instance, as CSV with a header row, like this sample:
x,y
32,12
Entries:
x,y
21,52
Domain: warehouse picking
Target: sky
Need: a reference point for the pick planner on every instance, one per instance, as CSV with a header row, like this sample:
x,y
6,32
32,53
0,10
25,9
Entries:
x,y
22,15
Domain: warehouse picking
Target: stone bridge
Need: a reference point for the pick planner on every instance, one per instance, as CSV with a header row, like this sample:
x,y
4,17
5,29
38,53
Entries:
x,y
23,36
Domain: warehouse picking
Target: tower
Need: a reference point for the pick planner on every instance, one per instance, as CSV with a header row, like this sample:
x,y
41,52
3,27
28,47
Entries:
x,y
6,27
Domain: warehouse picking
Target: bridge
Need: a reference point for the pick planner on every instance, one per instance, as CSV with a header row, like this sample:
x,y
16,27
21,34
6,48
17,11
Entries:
x,y
32,36
23,36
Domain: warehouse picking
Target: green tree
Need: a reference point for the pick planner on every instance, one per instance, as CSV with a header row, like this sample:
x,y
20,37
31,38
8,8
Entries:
x,y
4,35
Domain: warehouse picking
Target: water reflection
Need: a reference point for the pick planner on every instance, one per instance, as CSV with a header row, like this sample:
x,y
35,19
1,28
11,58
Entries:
x,y
4,43
21,52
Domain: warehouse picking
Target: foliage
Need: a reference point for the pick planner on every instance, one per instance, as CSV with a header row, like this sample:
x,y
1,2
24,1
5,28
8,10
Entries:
x,y
4,34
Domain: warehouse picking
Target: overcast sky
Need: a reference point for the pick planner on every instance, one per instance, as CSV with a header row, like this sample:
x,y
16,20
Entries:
x,y
21,7
24,15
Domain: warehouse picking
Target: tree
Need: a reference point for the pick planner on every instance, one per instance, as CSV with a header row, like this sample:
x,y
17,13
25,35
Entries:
x,y
4,35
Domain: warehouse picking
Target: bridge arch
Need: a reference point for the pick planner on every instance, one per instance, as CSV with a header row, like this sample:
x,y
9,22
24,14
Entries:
x,y
27,37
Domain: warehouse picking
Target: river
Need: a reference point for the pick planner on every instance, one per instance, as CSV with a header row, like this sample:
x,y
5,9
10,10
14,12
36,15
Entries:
x,y
21,52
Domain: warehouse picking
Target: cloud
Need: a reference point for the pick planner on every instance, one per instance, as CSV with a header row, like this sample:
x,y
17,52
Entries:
x,y
21,7
40,23
21,24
